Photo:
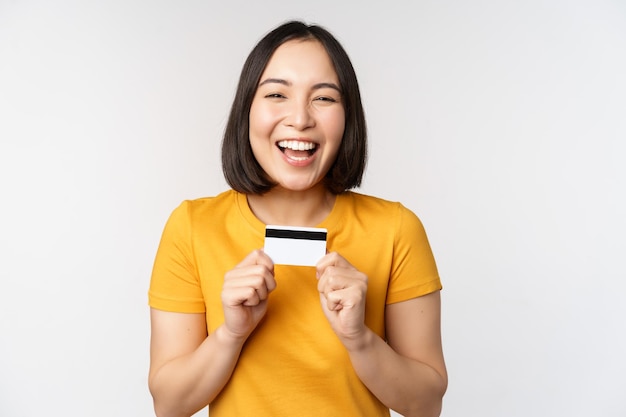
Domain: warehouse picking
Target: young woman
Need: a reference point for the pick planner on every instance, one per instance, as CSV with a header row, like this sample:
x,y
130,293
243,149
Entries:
x,y
355,335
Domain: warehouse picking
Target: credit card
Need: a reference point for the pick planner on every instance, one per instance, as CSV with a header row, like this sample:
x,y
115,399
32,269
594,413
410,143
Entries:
x,y
289,245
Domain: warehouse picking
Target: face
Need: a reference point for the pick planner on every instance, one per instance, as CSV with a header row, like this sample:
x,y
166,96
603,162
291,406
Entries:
x,y
297,117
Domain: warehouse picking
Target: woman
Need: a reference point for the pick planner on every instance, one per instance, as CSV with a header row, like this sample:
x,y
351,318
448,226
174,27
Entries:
x,y
355,335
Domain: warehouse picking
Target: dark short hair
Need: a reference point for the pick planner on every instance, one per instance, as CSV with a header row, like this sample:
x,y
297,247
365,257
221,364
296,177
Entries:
x,y
241,169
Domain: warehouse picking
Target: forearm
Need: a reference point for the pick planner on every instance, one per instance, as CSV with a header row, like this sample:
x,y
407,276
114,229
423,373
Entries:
x,y
186,384
407,386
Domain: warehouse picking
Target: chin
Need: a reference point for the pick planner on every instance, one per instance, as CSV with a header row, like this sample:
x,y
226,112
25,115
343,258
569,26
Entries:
x,y
298,185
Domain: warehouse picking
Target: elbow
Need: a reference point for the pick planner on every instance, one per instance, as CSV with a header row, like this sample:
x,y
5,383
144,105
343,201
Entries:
x,y
164,409
156,403
429,405
168,403
161,408
436,404
431,408
160,412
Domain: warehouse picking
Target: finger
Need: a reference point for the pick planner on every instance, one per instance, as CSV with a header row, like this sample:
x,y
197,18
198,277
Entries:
x,y
335,278
257,257
332,303
256,282
332,259
238,296
344,298
331,280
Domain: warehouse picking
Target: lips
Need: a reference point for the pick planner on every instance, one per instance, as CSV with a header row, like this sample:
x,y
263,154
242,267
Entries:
x,y
297,150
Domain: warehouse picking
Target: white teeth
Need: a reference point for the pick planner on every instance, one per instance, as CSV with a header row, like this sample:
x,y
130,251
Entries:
x,y
296,145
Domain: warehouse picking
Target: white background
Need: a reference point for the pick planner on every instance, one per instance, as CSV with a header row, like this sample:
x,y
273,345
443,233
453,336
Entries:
x,y
502,124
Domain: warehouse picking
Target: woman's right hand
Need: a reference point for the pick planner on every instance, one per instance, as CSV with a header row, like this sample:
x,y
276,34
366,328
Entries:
x,y
245,292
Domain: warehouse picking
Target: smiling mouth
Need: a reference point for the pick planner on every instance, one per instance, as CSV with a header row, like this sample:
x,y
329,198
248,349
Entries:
x,y
296,149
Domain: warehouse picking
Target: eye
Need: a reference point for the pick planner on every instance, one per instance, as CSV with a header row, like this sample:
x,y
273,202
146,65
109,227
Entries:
x,y
326,99
274,95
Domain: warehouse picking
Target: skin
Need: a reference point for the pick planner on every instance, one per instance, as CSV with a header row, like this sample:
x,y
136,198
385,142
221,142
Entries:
x,y
296,100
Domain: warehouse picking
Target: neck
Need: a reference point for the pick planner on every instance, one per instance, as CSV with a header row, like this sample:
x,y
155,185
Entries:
x,y
292,208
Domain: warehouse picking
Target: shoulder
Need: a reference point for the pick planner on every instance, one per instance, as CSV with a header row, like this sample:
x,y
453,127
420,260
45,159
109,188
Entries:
x,y
204,203
376,207
367,201
200,213
200,207
382,217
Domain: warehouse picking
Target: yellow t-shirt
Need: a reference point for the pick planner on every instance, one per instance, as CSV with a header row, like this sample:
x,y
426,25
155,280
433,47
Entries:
x,y
292,364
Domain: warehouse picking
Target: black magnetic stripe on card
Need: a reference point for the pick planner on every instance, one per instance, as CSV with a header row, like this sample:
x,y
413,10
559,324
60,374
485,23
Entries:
x,y
295,234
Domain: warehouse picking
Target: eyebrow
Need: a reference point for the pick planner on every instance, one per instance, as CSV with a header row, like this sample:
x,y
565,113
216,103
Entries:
x,y
289,84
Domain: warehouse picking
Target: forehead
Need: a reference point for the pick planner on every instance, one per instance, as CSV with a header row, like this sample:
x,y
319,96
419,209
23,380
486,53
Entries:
x,y
300,59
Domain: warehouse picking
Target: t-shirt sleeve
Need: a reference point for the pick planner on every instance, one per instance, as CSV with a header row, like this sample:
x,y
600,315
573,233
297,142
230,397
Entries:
x,y
175,285
413,270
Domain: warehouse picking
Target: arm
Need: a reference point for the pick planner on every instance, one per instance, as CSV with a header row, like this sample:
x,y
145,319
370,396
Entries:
x,y
406,374
181,356
189,368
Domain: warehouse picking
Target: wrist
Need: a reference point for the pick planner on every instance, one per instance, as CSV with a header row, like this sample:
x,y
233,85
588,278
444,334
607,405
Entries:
x,y
359,342
228,339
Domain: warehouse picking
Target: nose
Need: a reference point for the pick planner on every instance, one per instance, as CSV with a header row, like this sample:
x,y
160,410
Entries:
x,y
300,115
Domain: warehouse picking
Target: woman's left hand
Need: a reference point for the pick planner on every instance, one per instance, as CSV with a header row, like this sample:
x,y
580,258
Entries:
x,y
343,290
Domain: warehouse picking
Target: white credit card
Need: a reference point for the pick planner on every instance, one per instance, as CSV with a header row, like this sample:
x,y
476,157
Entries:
x,y
289,245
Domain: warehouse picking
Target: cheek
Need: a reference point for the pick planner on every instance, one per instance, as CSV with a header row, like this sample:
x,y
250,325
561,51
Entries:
x,y
257,120
335,125
261,115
